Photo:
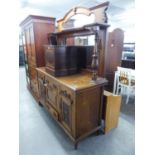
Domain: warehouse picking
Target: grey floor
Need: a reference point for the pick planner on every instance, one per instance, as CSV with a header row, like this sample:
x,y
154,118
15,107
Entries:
x,y
40,134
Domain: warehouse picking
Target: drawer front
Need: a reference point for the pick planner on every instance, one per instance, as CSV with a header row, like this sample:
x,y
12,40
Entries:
x,y
51,92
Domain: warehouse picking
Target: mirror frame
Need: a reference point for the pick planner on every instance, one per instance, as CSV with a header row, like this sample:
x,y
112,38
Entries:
x,y
99,11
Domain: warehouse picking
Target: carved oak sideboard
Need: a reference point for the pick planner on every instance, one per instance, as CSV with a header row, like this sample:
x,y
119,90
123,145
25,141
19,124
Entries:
x,y
74,101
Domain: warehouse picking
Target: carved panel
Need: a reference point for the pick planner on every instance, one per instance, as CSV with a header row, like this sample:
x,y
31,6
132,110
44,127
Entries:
x,y
51,92
42,94
65,104
33,80
65,113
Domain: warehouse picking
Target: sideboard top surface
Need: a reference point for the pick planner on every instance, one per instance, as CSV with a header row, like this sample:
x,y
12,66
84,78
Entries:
x,y
77,81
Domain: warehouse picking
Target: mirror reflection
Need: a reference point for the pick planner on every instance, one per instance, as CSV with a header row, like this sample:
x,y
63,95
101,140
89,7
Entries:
x,y
84,40
79,20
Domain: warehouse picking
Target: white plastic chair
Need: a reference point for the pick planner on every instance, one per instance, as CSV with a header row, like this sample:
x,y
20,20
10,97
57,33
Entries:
x,y
125,81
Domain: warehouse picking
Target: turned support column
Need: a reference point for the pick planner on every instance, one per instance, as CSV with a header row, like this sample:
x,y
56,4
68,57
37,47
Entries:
x,y
94,64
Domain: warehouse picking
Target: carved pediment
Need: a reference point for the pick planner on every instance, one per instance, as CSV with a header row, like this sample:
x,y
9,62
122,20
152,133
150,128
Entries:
x,y
99,11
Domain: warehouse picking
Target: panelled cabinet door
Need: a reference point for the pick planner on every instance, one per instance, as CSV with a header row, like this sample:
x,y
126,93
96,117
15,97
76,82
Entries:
x,y
65,104
42,93
27,40
25,58
32,44
51,92
33,80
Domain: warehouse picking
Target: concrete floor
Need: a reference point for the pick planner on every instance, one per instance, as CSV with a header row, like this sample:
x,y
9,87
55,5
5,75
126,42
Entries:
x,y
41,135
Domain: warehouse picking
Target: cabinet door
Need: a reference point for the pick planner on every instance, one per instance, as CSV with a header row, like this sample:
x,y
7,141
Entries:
x,y
41,82
25,58
51,92
65,104
30,45
27,41
33,81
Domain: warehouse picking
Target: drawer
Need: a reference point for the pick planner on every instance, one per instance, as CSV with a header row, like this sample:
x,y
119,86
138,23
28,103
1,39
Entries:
x,y
52,111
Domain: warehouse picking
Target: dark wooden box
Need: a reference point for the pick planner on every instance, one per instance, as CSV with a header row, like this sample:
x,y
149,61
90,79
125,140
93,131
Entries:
x,y
66,60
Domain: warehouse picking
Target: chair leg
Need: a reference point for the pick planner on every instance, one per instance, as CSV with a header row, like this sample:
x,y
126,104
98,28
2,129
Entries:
x,y
122,90
128,95
117,91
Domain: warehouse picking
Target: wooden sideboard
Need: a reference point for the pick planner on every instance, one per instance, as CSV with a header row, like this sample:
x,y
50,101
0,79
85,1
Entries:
x,y
74,101
34,35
